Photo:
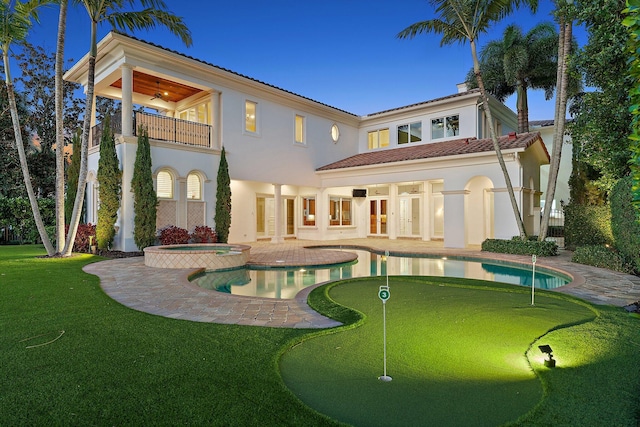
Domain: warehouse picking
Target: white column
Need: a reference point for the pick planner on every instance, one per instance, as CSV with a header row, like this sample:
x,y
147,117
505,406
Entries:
x,y
214,120
277,213
127,100
454,220
181,214
392,218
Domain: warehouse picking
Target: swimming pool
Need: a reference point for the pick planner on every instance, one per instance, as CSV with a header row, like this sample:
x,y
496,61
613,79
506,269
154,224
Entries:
x,y
285,283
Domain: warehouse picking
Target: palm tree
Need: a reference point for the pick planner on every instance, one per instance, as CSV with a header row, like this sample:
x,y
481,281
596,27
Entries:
x,y
153,14
519,62
16,21
564,14
460,21
59,91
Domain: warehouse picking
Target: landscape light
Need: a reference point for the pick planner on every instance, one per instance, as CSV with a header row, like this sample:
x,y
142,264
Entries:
x,y
550,362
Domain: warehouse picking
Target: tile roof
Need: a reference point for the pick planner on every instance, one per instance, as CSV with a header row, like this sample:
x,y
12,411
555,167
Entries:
x,y
455,95
434,150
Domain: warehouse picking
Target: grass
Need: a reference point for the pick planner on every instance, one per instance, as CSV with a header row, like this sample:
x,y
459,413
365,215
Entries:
x,y
117,366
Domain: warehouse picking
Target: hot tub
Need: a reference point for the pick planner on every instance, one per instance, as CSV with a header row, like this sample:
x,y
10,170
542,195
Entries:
x,y
210,256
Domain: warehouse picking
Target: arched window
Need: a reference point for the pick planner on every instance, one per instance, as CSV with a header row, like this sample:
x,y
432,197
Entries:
x,y
165,185
194,189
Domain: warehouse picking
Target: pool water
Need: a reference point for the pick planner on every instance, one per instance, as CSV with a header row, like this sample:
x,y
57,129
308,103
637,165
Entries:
x,y
285,283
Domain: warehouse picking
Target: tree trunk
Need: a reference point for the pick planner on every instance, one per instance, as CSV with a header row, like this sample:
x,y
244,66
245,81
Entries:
x,y
496,145
564,49
59,96
23,158
522,107
84,147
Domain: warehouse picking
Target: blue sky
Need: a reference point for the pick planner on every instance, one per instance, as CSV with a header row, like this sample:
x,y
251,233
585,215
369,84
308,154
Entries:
x,y
339,52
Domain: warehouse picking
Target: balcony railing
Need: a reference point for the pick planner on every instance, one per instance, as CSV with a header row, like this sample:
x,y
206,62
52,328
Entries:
x,y
161,128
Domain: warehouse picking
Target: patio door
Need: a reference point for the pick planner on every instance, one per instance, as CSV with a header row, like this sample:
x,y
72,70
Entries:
x,y
266,217
378,216
409,217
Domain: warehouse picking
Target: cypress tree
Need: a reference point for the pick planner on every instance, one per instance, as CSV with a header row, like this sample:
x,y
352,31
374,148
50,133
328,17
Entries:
x,y
144,197
110,187
223,200
73,172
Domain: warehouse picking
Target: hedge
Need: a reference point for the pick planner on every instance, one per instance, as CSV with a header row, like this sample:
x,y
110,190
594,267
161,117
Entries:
x,y
624,223
587,225
517,246
603,257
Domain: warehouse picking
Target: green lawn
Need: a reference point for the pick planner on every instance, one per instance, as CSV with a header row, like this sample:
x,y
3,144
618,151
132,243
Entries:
x,y
117,366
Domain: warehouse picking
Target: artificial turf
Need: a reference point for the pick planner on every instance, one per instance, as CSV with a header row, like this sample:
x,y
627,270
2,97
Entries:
x,y
456,354
117,366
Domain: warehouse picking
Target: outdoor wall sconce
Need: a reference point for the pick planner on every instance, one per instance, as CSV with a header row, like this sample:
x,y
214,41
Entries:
x,y
550,362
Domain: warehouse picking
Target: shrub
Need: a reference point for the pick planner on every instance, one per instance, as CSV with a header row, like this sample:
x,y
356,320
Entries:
x,y
624,223
203,234
110,182
223,200
144,197
85,231
172,235
517,246
603,257
587,225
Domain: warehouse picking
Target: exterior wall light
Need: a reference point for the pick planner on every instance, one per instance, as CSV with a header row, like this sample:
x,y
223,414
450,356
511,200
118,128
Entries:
x,y
550,362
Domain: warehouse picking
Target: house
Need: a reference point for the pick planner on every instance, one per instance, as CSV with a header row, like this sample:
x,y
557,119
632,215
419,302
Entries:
x,y
303,169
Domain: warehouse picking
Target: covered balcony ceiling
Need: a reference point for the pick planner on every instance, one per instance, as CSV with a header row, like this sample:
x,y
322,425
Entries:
x,y
158,88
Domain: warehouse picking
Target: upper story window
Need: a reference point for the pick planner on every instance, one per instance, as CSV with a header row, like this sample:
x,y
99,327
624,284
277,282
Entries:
x,y
194,187
378,138
411,132
164,188
251,116
299,129
199,113
445,127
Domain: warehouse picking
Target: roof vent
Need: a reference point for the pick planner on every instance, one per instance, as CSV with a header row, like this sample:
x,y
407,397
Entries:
x,y
512,136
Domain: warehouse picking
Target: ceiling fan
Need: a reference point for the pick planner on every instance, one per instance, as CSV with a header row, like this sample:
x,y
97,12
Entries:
x,y
159,94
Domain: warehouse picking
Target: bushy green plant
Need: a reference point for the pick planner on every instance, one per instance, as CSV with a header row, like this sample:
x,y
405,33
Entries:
x,y
223,200
16,214
603,257
203,234
624,223
144,196
172,235
586,225
110,187
517,246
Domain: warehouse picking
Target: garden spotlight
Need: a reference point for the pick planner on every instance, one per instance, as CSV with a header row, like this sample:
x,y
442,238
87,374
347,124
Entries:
x,y
550,362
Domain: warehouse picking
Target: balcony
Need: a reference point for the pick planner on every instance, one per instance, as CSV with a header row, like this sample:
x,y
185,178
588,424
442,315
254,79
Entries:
x,y
160,128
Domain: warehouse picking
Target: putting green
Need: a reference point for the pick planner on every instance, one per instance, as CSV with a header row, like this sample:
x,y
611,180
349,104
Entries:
x,y
456,354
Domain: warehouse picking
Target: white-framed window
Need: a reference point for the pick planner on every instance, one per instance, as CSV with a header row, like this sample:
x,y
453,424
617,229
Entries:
x,y
410,132
444,127
378,138
299,124
199,113
340,211
164,187
309,210
194,187
251,116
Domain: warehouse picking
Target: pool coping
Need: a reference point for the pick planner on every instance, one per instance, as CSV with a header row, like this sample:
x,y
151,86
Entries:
x,y
168,292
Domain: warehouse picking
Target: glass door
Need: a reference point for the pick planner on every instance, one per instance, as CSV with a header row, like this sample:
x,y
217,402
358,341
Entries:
x,y
409,216
378,216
